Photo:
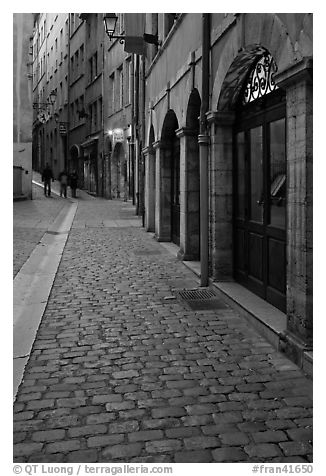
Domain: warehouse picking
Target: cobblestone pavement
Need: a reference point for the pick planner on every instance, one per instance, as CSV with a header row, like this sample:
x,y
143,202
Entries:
x,y
120,371
31,219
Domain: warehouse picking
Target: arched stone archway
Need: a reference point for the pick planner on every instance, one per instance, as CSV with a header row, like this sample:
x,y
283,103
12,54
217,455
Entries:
x,y
265,32
167,226
119,184
190,183
150,182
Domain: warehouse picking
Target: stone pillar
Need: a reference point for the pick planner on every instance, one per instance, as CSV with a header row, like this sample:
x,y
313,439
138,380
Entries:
x,y
150,171
163,191
221,195
189,194
297,80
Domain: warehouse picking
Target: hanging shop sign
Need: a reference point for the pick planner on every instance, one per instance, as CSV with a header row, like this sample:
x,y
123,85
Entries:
x,y
62,128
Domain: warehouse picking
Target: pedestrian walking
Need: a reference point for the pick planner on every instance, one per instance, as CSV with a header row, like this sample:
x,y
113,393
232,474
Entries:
x,y
73,181
47,176
63,179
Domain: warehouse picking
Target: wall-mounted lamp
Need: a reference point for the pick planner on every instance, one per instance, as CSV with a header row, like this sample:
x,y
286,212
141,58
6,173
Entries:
x,y
45,105
110,22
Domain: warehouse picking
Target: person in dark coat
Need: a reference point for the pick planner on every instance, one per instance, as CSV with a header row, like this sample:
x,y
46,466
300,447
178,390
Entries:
x,y
63,179
47,176
73,181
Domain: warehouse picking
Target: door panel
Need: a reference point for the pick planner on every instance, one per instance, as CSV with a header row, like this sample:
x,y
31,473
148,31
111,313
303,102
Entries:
x,y
256,175
255,268
276,267
277,178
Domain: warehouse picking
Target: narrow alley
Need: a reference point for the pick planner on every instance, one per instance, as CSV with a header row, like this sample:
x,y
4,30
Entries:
x,y
123,369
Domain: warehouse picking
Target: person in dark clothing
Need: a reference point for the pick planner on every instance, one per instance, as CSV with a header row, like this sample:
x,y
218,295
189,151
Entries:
x,y
47,176
63,179
73,180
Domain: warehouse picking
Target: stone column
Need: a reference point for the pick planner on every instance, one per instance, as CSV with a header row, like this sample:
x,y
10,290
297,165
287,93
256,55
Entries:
x,y
221,195
150,171
163,191
189,194
297,80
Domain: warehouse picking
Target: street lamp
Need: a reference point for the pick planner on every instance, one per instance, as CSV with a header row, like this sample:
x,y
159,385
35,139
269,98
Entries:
x,y
110,23
49,102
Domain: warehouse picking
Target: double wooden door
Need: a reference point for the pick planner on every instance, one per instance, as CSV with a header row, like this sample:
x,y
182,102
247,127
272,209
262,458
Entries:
x,y
260,200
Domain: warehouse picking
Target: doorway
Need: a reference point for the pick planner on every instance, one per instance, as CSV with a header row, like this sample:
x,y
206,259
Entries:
x,y
260,199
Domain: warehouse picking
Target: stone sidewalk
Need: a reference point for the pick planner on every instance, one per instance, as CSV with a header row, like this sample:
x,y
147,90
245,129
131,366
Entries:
x,y
122,370
31,219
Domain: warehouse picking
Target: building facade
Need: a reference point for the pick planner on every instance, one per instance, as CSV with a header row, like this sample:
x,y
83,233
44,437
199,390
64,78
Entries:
x,y
22,105
258,132
119,147
50,77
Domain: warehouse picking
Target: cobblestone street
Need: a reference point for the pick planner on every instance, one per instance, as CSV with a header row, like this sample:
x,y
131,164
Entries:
x,y
123,370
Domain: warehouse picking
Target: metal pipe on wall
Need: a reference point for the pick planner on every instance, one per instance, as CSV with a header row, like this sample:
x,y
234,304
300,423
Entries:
x,y
203,140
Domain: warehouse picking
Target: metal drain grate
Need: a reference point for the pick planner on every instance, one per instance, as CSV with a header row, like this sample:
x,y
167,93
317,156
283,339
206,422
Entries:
x,y
201,299
196,294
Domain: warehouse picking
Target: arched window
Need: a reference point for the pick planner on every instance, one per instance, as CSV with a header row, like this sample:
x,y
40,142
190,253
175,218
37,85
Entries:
x,y
260,80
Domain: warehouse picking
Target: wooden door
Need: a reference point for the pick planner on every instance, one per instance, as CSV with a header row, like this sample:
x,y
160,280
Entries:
x,y
260,202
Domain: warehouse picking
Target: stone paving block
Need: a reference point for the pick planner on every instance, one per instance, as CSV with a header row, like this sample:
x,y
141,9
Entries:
x,y
83,456
71,402
201,409
48,435
64,421
145,435
62,446
124,426
229,455
40,404
296,448
125,374
106,398
117,406
269,436
263,450
194,456
104,440
86,430
161,423
168,412
21,416
163,446
300,434
26,449
201,442
122,451
234,438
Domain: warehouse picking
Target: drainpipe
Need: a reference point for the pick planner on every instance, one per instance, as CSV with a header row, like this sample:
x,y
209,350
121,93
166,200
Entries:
x,y
143,136
136,105
203,140
68,100
132,138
